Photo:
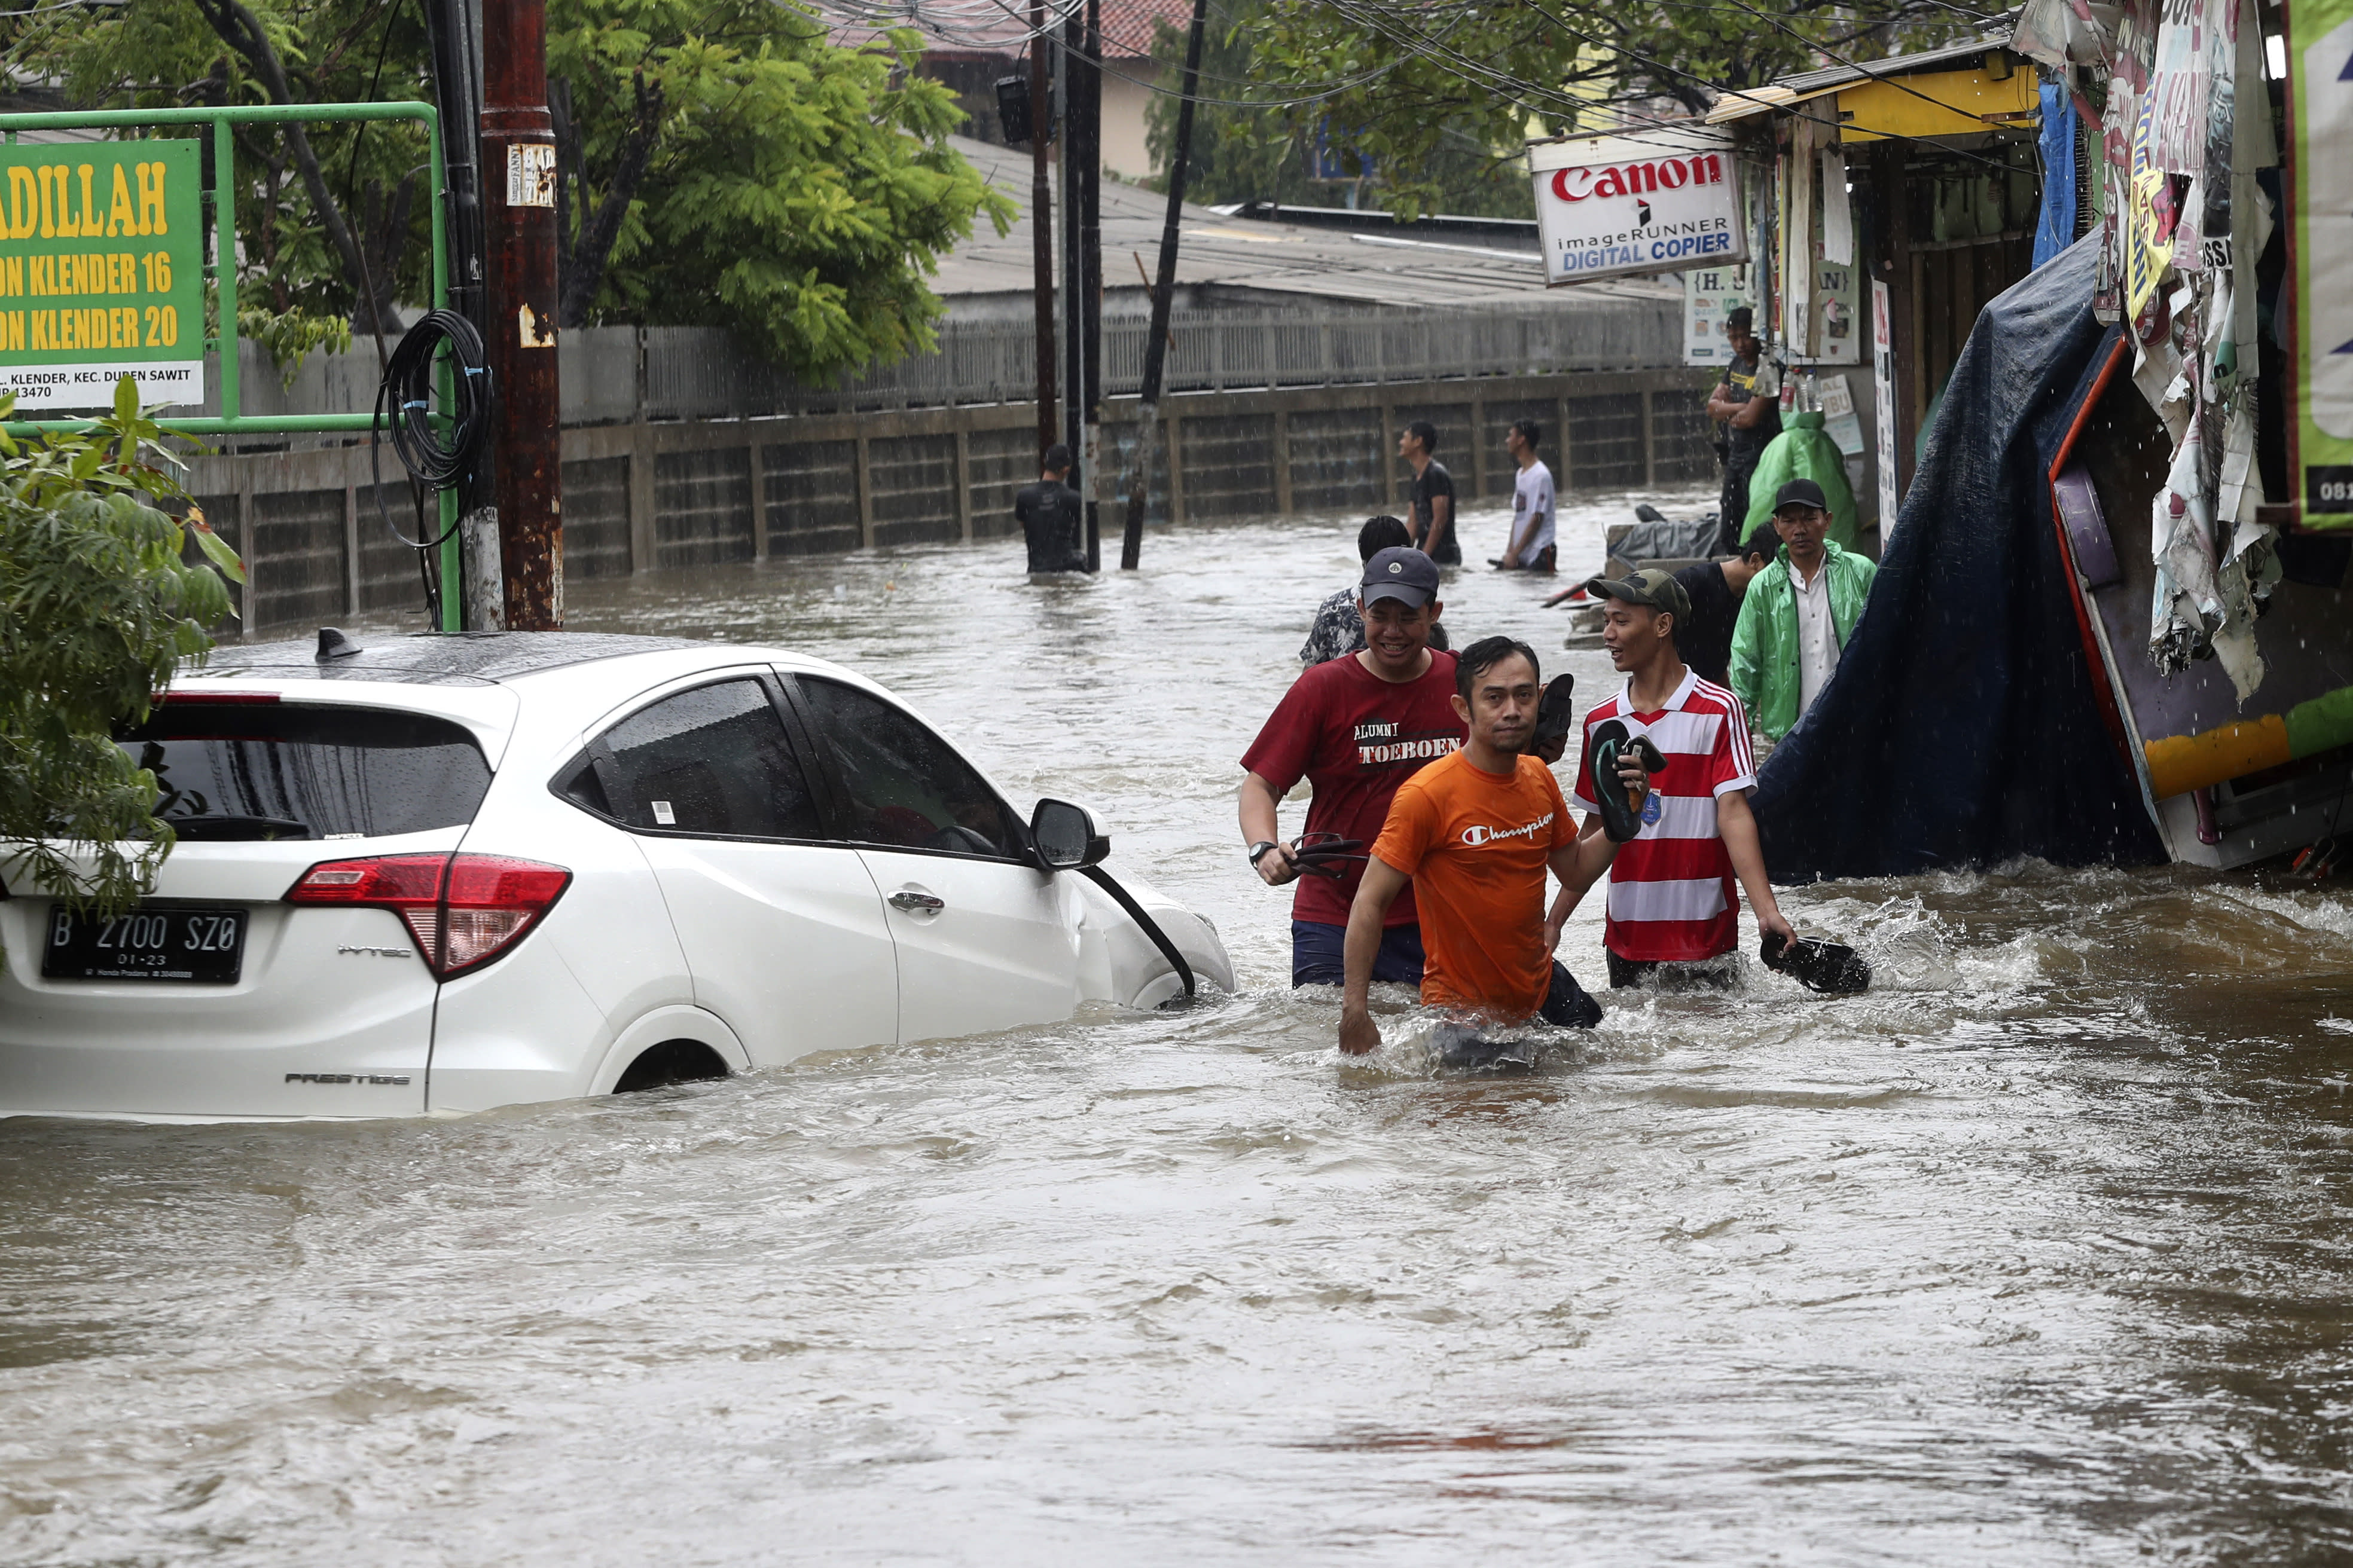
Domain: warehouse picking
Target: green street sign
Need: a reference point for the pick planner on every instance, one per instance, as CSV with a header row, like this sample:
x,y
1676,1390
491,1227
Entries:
x,y
101,273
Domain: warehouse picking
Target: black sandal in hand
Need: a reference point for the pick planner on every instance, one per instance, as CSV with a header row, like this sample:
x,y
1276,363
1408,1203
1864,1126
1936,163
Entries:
x,y
1319,854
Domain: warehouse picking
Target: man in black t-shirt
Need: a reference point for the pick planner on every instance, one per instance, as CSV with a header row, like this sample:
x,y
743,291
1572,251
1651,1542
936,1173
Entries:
x,y
1433,495
1715,589
1746,403
1051,517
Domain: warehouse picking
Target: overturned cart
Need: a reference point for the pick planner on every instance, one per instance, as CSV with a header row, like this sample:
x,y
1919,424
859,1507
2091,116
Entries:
x,y
2005,693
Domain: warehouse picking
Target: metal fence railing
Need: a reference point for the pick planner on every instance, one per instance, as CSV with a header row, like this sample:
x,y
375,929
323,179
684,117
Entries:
x,y
622,374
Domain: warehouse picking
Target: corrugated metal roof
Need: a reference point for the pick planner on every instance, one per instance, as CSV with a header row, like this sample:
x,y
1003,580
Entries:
x,y
1382,269
1786,91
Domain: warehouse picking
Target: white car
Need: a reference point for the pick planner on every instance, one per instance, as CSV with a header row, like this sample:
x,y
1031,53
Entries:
x,y
441,874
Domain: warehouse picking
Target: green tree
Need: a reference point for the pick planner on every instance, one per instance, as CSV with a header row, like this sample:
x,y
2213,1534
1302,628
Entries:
x,y
1261,153
98,606
1412,79
721,164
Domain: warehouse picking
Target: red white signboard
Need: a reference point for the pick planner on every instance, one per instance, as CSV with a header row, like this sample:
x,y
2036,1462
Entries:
x,y
1650,201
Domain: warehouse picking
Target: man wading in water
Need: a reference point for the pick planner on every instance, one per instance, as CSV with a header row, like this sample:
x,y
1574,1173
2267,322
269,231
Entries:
x,y
1354,727
1673,908
1475,832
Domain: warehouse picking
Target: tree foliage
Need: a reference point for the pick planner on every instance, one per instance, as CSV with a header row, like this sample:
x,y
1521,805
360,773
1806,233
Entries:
x,y
752,175
1409,77
1243,152
721,164
98,606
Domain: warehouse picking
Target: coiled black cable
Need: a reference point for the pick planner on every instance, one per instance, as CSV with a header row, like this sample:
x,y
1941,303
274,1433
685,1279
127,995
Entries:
x,y
404,403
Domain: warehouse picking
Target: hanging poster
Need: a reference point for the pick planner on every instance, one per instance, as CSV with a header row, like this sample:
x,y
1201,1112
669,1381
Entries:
x,y
1663,201
1883,386
2177,89
2148,229
1709,294
2320,49
1837,318
101,273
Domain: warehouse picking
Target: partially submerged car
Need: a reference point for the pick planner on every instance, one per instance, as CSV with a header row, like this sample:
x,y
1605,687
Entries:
x,y
445,873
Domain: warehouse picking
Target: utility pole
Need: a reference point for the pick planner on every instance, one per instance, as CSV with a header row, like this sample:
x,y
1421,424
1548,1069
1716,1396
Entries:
x,y
518,145
453,30
1090,280
1164,289
1043,104
1071,102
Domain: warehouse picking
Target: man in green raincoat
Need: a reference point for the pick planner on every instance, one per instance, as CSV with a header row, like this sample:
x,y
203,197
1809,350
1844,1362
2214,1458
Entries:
x,y
1803,450
1799,612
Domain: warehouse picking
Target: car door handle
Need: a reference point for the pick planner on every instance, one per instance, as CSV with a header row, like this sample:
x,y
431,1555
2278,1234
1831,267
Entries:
x,y
918,903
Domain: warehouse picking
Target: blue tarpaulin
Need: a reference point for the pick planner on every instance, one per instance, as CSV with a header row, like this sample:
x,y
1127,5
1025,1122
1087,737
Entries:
x,y
1962,728
2055,230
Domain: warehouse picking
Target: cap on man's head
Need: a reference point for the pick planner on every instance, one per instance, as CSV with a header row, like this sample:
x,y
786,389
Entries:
x,y
1400,573
1799,492
1649,587
1740,319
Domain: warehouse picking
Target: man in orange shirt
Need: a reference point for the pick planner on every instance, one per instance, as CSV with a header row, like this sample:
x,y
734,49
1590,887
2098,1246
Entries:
x,y
1474,832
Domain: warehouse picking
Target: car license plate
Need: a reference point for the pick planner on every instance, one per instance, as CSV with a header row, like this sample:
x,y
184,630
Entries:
x,y
181,945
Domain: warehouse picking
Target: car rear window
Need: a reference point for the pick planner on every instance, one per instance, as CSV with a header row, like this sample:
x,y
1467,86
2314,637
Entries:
x,y
279,771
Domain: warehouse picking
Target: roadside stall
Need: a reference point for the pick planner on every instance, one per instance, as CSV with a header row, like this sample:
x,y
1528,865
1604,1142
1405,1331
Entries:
x,y
2206,492
1889,200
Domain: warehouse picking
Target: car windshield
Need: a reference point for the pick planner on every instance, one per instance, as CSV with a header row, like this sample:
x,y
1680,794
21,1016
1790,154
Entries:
x,y
279,771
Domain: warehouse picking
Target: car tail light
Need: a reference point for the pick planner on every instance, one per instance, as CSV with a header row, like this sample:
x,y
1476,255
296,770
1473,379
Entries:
x,y
463,909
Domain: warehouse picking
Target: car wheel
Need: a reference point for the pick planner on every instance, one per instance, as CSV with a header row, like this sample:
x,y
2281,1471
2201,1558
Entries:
x,y
672,1061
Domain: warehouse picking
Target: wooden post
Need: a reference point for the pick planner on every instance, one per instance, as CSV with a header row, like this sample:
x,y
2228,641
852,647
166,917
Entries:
x,y
1283,462
1478,453
1561,482
865,499
964,484
759,498
1650,444
641,496
1387,458
1176,470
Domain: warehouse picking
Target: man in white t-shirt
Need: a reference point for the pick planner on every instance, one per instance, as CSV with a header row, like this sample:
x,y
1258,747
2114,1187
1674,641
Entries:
x,y
1531,549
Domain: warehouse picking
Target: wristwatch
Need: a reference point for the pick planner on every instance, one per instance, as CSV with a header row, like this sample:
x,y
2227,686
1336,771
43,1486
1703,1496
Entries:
x,y
1259,848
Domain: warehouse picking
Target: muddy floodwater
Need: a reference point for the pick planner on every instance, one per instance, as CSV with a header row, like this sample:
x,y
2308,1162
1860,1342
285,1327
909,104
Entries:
x,y
2037,1254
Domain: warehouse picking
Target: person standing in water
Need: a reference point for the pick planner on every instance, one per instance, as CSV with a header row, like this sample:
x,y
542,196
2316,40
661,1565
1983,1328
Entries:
x,y
1051,517
1672,902
1433,495
1355,728
1474,833
1339,627
1747,402
1533,506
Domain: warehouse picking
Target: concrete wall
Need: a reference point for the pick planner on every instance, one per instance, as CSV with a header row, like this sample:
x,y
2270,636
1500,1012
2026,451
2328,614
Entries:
x,y
650,496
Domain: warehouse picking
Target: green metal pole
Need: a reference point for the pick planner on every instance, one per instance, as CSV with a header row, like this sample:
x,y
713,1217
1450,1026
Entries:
x,y
453,552
225,269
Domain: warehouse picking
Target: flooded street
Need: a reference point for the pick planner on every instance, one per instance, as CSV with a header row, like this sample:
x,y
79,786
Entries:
x,y
2036,1253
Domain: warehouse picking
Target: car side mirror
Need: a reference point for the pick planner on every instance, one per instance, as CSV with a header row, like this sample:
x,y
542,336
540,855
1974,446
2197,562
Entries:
x,y
1067,836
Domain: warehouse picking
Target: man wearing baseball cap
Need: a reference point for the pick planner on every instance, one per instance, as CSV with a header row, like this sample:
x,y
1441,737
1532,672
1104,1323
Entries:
x,y
1354,727
1672,898
1799,612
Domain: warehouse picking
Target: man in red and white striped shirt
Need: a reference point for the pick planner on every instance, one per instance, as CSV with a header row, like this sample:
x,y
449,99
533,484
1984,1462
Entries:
x,y
1671,889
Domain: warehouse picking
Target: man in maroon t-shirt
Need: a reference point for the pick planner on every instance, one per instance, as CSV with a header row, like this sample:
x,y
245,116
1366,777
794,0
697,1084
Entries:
x,y
1355,726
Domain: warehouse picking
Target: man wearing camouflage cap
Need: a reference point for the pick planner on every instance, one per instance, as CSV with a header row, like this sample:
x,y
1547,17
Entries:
x,y
1672,898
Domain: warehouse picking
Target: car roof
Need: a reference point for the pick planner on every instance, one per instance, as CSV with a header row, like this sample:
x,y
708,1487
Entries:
x,y
430,658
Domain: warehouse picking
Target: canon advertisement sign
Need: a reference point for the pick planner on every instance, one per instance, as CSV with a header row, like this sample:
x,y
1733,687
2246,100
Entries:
x,y
1652,201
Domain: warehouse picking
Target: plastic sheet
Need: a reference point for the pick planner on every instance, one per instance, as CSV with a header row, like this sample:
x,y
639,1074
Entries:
x,y
1961,728
1803,450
